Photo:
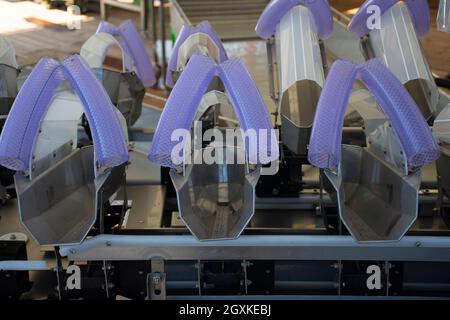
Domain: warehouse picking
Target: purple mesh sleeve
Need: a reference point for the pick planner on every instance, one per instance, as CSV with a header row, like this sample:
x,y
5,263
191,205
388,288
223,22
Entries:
x,y
106,27
410,126
110,146
251,111
180,109
186,32
24,119
184,100
29,109
276,9
133,42
326,135
133,47
418,10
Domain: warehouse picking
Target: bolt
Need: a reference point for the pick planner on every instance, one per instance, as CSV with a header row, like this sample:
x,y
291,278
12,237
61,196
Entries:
x,y
156,278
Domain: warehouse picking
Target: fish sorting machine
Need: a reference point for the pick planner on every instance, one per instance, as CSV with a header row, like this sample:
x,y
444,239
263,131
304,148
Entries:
x,y
350,172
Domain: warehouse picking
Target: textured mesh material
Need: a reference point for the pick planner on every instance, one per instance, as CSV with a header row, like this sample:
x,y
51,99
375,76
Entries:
x,y
133,47
131,38
409,124
326,136
250,109
109,141
181,107
106,27
184,100
30,106
29,109
186,32
407,120
276,9
418,9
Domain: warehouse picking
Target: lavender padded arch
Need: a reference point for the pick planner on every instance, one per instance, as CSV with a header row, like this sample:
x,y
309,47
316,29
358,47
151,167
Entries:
x,y
110,147
326,135
133,46
418,9
29,109
186,31
410,126
185,98
22,124
276,9
250,109
180,108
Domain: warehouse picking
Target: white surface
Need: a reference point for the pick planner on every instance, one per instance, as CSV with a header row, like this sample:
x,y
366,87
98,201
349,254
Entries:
x,y
298,51
397,45
60,125
95,48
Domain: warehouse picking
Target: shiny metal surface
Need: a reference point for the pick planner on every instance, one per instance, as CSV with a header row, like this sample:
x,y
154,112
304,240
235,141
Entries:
x,y
376,202
216,201
60,205
147,207
277,247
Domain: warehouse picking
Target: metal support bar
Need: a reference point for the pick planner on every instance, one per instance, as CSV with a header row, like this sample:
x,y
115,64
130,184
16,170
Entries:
x,y
162,26
144,15
274,247
24,265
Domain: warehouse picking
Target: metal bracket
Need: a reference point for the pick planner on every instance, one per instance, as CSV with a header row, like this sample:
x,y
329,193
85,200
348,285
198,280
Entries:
x,y
156,281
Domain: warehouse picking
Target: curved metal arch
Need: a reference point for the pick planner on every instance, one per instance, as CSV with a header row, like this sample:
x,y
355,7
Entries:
x,y
186,31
